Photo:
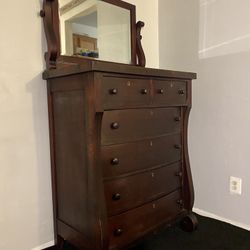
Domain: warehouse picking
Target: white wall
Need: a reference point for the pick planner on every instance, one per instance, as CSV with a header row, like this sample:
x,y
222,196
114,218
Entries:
x,y
219,138
25,187
84,30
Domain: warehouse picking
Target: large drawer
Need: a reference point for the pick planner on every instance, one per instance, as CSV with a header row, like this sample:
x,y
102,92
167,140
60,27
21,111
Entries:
x,y
129,226
133,191
124,158
118,92
121,126
169,93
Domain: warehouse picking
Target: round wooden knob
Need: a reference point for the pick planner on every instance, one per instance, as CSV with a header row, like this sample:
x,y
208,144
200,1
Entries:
x,y
179,174
144,91
116,197
115,161
181,92
115,125
177,119
42,13
118,232
160,91
180,202
177,146
113,91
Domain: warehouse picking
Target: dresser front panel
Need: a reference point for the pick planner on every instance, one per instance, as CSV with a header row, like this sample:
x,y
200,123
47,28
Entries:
x,y
132,191
125,158
169,93
120,126
120,92
129,226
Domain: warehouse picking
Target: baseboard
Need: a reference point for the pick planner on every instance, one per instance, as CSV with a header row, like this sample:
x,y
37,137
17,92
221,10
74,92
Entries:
x,y
44,246
216,217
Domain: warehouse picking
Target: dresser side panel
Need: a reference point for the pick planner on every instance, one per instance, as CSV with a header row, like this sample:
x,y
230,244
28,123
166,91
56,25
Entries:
x,y
70,158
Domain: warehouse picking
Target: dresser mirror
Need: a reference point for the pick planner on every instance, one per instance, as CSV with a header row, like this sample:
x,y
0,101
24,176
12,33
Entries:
x,y
104,30
95,29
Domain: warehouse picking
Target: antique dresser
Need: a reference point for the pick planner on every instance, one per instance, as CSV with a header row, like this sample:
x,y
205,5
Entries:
x,y
120,167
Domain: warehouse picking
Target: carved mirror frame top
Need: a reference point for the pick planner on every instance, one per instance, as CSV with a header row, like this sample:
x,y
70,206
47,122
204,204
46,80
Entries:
x,y
50,15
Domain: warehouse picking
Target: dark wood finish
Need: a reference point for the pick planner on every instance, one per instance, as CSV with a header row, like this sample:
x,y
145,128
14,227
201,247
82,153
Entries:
x,y
50,15
117,93
170,92
51,21
124,193
141,59
135,223
145,123
143,155
189,223
76,66
120,167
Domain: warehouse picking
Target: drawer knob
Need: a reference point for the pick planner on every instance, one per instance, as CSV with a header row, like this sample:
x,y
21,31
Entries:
x,y
160,91
114,125
177,146
115,161
113,91
177,119
180,202
181,91
116,197
118,232
144,91
179,174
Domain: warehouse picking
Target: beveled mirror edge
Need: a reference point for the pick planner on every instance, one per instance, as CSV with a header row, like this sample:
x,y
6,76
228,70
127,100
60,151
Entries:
x,y
50,15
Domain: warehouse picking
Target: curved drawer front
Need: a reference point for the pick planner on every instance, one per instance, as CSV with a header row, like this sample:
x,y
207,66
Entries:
x,y
124,92
169,93
126,193
121,126
125,158
129,226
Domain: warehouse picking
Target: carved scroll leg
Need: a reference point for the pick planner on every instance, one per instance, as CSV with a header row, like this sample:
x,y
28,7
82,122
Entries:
x,y
60,243
189,223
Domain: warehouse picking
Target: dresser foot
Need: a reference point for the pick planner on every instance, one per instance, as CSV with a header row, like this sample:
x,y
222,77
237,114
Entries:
x,y
189,223
60,243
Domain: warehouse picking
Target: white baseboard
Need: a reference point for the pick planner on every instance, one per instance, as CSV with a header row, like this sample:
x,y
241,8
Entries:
x,y
46,245
216,217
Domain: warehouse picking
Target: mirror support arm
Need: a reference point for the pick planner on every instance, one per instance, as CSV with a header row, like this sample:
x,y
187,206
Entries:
x,y
49,18
141,59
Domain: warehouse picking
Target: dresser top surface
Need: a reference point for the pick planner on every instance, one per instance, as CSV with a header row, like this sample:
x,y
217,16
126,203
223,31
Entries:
x,y
76,66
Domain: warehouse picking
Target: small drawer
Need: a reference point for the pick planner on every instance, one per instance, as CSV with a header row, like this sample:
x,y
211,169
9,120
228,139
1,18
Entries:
x,y
121,126
127,227
133,191
117,93
142,155
169,93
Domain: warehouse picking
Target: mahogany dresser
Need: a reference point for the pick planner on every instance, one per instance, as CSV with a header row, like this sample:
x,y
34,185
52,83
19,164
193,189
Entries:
x,y
120,166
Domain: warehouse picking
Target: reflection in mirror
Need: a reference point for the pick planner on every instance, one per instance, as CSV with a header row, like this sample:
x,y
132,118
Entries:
x,y
95,29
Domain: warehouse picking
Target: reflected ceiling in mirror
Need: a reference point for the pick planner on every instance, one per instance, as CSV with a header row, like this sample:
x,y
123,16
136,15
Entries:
x,y
95,29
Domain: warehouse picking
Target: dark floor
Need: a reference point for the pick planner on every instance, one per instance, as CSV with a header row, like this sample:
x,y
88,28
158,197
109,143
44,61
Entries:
x,y
211,235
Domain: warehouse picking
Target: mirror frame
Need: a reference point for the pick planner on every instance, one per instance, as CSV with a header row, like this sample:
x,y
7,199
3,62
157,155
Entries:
x,y
50,15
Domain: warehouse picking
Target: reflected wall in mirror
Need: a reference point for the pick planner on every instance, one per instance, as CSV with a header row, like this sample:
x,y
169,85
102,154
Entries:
x,y
95,29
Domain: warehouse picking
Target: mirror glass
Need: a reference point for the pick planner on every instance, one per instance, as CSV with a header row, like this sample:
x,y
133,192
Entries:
x,y
95,29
